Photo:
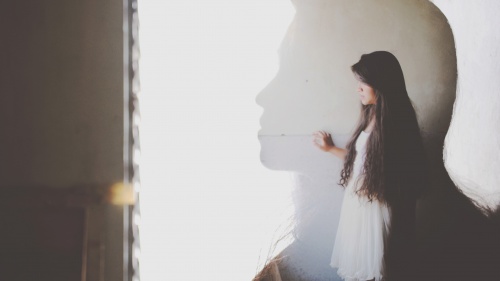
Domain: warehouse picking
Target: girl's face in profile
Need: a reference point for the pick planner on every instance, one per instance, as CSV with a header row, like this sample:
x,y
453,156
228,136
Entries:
x,y
366,93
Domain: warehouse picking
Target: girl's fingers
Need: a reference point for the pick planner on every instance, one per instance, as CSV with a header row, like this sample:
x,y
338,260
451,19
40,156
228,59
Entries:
x,y
322,134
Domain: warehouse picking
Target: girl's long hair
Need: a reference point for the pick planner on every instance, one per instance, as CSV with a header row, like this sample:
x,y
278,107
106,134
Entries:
x,y
395,162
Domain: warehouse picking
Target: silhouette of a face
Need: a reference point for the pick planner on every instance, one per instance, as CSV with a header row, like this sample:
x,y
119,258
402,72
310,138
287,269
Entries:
x,y
314,88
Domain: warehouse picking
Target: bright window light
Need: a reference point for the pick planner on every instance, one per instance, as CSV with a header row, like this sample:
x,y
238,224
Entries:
x,y
209,208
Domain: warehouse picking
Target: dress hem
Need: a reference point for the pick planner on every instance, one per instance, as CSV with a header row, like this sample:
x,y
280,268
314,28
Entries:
x,y
358,276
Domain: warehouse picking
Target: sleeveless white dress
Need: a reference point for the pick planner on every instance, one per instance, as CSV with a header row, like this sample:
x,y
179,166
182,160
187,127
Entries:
x,y
363,226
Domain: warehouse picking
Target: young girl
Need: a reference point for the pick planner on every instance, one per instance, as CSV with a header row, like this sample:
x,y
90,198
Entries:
x,y
383,174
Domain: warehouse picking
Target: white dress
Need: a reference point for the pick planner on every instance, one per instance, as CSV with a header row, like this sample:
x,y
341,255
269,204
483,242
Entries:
x,y
359,245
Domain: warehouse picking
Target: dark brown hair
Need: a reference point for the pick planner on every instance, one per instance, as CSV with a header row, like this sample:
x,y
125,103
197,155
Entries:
x,y
394,163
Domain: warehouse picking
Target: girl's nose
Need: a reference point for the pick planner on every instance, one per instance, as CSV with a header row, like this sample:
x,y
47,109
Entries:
x,y
359,89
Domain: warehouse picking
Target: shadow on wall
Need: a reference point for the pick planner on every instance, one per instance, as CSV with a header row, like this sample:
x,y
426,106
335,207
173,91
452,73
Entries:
x,y
315,90
456,240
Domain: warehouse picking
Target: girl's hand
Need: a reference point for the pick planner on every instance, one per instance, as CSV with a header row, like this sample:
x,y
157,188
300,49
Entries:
x,y
323,140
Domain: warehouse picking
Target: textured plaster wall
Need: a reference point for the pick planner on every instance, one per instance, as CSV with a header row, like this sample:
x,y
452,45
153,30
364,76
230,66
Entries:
x,y
314,89
472,147
61,101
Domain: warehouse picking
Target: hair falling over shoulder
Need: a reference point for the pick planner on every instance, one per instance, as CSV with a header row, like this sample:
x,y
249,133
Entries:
x,y
395,163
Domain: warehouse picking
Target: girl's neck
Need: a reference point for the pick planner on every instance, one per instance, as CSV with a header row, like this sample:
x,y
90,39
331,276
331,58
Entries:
x,y
370,126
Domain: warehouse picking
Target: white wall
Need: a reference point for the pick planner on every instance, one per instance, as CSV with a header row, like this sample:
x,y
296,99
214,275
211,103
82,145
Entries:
x,y
472,146
315,90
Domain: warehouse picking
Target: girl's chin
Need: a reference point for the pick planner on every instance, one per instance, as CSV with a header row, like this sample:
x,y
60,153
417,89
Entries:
x,y
366,102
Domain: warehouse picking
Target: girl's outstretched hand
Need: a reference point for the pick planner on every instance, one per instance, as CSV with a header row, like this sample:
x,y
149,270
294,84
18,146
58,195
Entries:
x,y
323,140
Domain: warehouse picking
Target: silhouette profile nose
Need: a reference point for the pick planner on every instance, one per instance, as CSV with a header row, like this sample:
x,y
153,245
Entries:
x,y
267,94
260,98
